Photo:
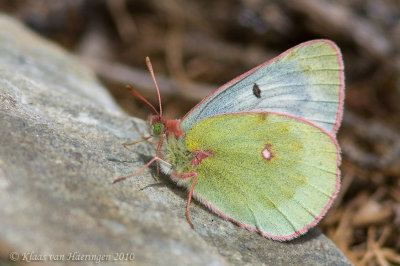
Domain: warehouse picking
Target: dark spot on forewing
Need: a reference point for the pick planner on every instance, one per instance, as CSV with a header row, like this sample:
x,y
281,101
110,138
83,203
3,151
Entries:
x,y
256,90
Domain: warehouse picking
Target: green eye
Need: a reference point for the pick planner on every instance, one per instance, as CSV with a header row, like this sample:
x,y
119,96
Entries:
x,y
157,128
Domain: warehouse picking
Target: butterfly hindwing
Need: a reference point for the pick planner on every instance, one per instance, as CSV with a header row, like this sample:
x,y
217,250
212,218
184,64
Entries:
x,y
268,172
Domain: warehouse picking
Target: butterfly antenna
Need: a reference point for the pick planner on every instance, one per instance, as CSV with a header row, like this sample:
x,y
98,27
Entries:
x,y
150,67
137,94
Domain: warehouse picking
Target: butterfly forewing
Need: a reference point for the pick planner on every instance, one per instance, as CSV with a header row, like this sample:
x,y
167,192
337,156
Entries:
x,y
306,81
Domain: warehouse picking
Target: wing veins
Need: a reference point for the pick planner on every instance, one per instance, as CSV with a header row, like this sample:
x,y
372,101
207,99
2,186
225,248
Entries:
x,y
246,196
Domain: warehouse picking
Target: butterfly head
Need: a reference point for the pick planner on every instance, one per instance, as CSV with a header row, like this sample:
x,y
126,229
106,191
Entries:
x,y
160,126
157,126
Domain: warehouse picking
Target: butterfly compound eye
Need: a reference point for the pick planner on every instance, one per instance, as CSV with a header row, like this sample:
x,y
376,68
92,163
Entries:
x,y
158,128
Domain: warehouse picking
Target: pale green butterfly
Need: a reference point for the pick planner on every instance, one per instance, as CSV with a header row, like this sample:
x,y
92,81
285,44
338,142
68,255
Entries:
x,y
261,150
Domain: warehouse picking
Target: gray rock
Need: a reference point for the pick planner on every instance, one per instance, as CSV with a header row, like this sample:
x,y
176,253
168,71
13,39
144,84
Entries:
x,y
60,139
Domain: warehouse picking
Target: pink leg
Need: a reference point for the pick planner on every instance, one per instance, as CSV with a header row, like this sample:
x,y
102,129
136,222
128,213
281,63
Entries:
x,y
160,143
138,141
137,173
188,175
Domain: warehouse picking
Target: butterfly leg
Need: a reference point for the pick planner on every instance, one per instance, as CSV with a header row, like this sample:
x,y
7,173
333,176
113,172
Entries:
x,y
158,152
138,172
188,175
138,141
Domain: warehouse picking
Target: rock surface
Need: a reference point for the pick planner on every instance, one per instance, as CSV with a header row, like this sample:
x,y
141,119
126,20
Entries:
x,y
60,139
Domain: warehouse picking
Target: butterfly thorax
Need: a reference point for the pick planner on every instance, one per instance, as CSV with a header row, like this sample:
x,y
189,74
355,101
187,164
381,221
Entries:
x,y
177,155
181,160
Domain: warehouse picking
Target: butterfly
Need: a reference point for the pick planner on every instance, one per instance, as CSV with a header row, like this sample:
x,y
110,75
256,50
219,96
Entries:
x,y
261,150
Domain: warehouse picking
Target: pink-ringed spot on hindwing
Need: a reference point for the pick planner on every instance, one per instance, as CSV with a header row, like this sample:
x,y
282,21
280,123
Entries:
x,y
267,152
